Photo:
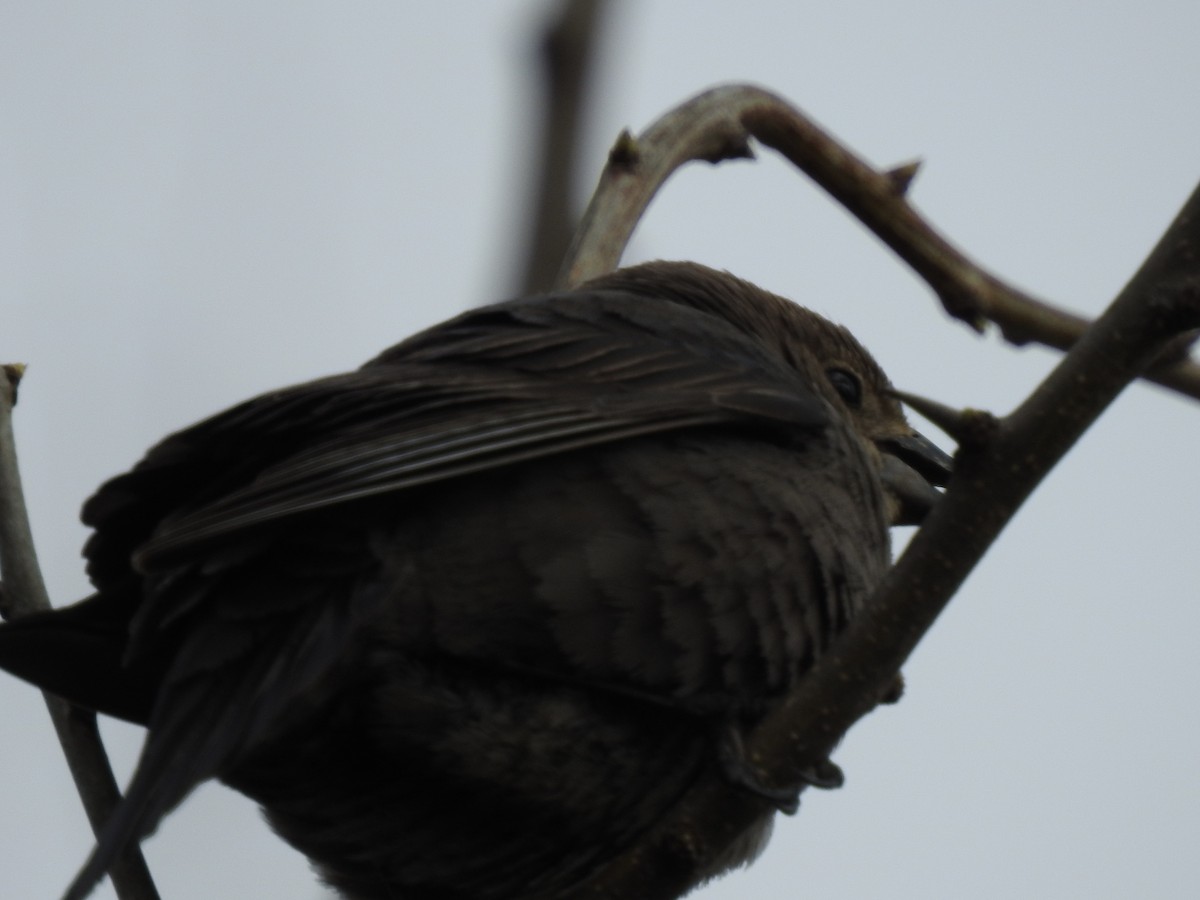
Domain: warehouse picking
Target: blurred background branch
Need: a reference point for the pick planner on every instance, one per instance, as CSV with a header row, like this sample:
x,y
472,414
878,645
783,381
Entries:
x,y
569,44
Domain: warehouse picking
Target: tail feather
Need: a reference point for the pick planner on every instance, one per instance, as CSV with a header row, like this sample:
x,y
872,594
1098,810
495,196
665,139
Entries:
x,y
238,690
76,654
201,732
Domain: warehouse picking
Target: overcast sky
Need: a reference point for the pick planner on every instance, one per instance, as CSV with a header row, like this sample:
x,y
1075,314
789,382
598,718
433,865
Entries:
x,y
199,202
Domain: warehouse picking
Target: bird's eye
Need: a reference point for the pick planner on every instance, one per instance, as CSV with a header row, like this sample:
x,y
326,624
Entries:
x,y
848,386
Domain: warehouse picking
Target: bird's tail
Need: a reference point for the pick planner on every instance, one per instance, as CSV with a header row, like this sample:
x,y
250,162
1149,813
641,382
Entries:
x,y
78,654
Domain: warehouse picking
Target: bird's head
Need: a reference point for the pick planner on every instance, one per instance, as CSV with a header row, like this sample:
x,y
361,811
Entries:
x,y
835,363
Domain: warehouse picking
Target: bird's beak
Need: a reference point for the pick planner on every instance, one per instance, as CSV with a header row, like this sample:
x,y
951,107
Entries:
x,y
912,466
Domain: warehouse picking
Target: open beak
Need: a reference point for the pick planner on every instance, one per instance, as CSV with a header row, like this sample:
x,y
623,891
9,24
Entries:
x,y
913,469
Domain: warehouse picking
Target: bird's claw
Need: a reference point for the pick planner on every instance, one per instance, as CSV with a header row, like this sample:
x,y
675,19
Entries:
x,y
731,754
894,691
826,775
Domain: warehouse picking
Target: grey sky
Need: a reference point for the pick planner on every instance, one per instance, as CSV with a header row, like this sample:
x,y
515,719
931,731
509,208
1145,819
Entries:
x,y
201,202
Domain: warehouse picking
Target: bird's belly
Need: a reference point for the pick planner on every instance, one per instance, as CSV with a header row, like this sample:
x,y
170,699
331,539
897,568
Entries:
x,y
544,682
445,781
703,569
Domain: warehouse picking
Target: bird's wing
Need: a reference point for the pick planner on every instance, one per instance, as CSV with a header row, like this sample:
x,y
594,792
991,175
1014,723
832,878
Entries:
x,y
501,385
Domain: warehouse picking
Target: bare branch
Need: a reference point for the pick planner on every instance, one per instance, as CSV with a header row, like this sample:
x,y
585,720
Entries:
x,y
703,128
24,594
717,125
992,478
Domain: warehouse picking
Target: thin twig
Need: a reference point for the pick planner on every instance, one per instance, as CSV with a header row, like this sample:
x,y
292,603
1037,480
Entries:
x,y
718,124
25,594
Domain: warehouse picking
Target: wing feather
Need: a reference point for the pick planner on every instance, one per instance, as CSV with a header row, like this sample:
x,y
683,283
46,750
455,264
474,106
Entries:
x,y
505,384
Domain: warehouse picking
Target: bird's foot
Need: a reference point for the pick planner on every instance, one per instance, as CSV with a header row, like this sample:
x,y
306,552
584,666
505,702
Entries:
x,y
731,754
894,691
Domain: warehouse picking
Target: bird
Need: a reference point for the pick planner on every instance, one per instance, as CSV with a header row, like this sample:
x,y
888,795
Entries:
x,y
468,621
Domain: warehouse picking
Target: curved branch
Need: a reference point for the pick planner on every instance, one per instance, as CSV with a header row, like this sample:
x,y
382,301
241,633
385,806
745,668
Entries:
x,y
995,472
25,593
717,124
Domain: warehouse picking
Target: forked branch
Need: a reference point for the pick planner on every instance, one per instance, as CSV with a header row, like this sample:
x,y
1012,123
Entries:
x,y
718,125
995,471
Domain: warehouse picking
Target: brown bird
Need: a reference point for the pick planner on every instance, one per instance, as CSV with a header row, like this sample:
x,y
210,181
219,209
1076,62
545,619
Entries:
x,y
469,620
